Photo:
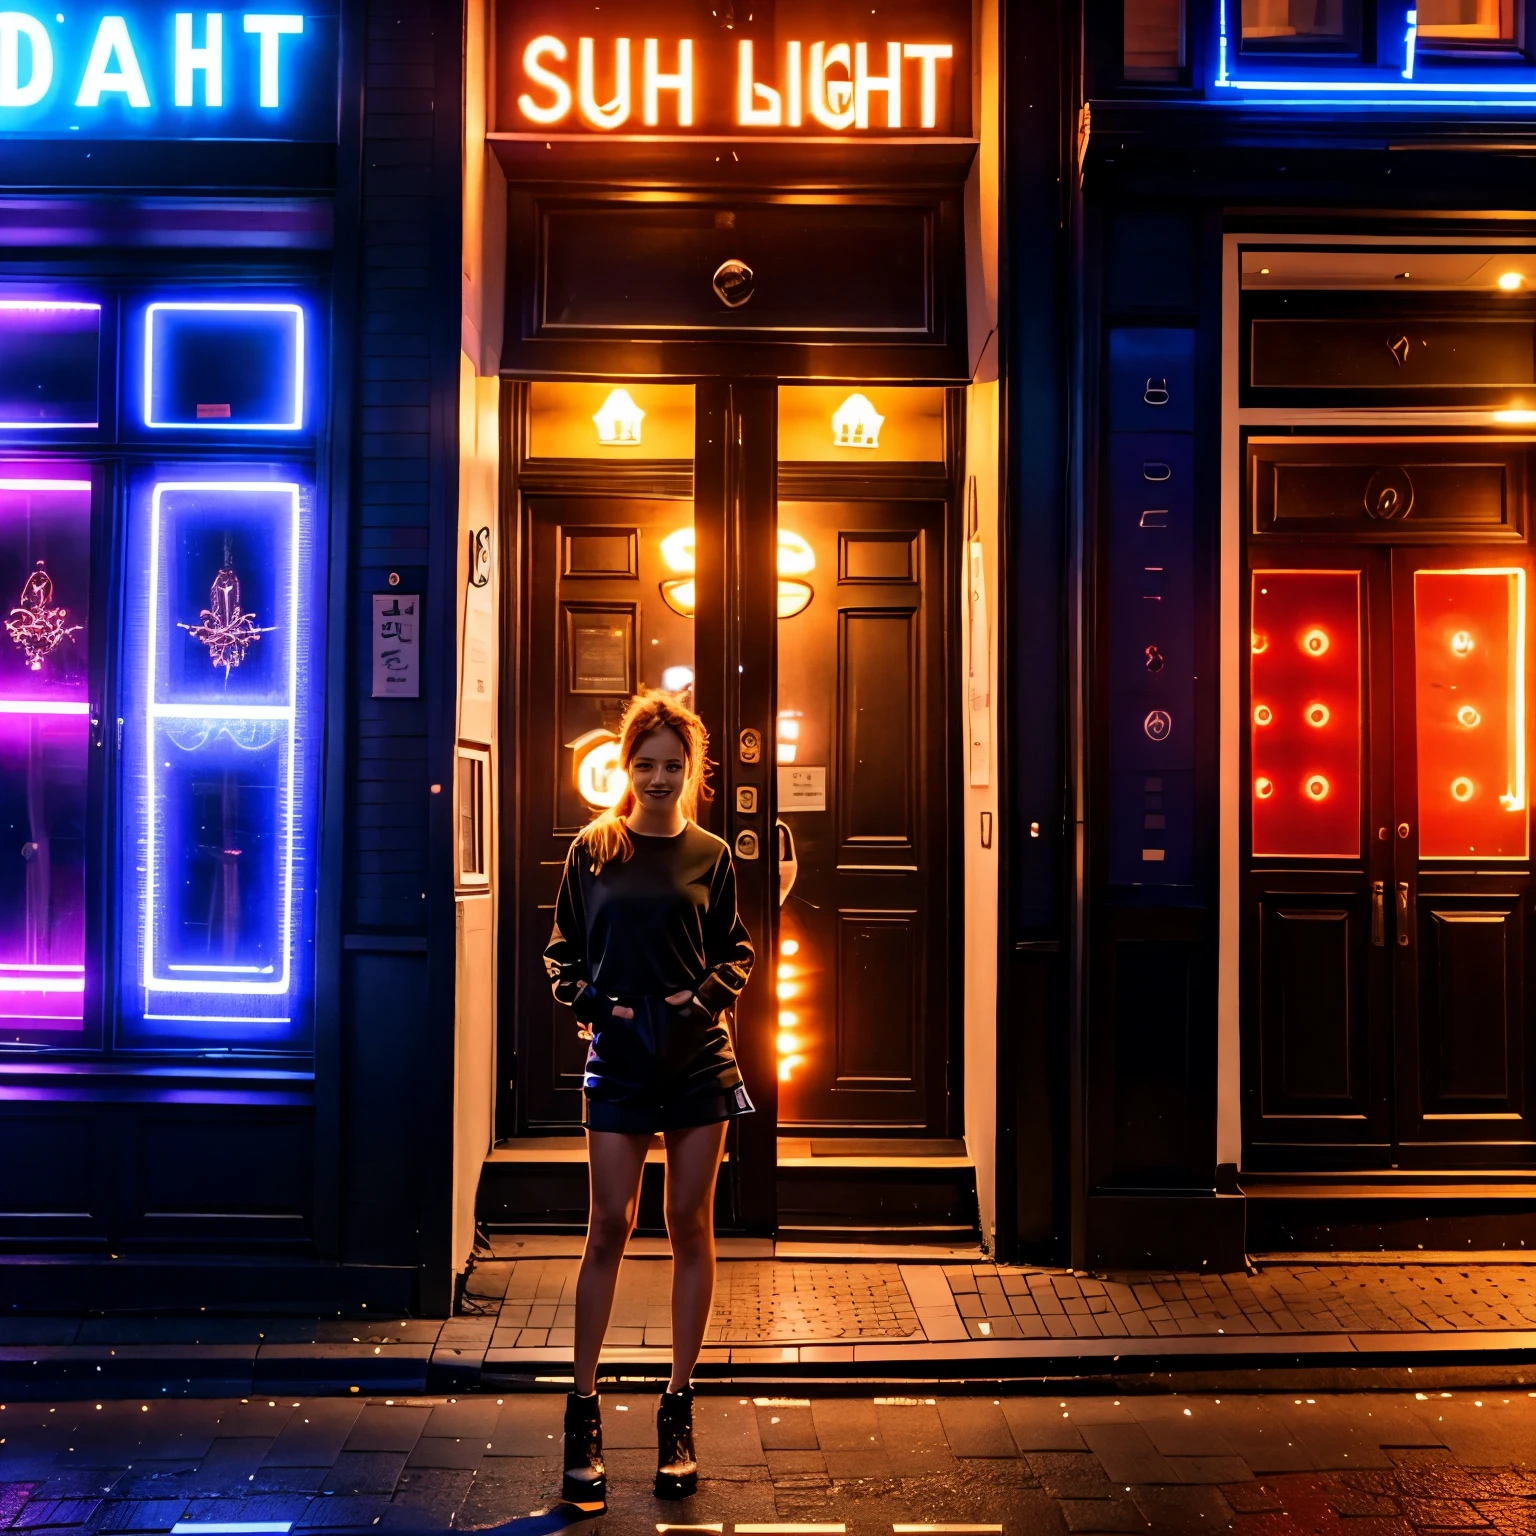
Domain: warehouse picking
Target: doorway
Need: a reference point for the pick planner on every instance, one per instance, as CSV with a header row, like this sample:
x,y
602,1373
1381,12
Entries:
x,y
641,565
1387,887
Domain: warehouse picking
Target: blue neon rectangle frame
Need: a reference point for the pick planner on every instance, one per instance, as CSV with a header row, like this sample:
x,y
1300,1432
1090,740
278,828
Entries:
x,y
291,421
159,708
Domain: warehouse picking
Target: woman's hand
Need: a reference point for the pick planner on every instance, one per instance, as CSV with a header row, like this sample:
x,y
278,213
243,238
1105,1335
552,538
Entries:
x,y
677,999
621,1012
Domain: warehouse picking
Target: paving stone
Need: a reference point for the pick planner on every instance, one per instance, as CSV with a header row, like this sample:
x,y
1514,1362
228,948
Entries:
x,y
786,1429
1070,1475
975,1427
356,1472
1183,1510
344,1509
529,1426
40,1513
139,1514
725,1433
1038,1425
1102,1515
383,1428
314,1434
1127,1454
914,1439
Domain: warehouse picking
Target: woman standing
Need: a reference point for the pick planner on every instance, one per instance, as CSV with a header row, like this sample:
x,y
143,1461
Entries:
x,y
649,951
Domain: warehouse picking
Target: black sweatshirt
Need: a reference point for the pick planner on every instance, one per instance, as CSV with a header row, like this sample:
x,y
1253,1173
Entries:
x,y
662,921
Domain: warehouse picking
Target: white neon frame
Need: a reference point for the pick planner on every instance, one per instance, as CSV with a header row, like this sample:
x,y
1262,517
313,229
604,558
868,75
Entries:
x,y
296,310
56,426
155,711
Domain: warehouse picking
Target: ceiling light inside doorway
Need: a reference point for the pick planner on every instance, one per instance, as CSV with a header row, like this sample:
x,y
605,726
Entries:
x,y
1510,281
1515,418
856,423
618,421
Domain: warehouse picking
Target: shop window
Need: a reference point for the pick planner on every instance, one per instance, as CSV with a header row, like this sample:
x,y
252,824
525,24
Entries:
x,y
218,366
610,421
45,725
1304,714
848,424
214,757
1154,42
474,816
1455,25
50,362
1469,698
1309,26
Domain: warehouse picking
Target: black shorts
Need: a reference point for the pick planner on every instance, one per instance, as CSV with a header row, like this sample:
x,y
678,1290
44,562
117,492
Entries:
x,y
667,1068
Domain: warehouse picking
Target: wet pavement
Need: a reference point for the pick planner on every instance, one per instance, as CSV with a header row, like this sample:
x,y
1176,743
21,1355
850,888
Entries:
x,y
1265,1464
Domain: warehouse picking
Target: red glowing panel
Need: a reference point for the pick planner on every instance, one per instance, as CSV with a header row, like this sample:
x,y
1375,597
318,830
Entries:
x,y
1304,714
1469,698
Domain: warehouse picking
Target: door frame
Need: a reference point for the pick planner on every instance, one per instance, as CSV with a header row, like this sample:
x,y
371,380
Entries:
x,y
1237,421
734,482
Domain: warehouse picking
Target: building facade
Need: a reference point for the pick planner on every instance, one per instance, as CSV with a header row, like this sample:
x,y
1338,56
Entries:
x,y
1075,463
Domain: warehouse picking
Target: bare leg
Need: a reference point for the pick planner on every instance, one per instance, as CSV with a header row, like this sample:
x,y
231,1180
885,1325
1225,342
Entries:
x,y
693,1161
614,1163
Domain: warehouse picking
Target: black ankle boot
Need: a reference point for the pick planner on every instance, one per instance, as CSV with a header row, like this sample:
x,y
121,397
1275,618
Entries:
x,y
677,1468
586,1480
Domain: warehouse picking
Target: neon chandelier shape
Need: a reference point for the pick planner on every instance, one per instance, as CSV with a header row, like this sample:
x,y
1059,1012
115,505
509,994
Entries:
x,y
225,627
35,624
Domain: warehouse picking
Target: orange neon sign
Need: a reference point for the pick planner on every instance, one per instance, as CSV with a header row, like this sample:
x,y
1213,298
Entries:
x,y
833,85
816,70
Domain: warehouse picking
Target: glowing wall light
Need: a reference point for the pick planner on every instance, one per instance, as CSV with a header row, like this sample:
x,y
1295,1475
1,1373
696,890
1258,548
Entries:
x,y
224,367
796,559
200,721
856,423
618,421
600,781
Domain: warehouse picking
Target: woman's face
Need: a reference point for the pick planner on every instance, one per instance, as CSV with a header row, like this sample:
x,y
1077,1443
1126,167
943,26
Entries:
x,y
659,769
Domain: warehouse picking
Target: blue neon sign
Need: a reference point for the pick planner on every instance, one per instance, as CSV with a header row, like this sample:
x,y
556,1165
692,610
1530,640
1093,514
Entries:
x,y
152,71
1399,75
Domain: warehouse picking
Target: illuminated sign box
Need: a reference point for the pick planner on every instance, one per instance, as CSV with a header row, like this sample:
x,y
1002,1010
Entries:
x,y
50,364
157,70
800,70
224,366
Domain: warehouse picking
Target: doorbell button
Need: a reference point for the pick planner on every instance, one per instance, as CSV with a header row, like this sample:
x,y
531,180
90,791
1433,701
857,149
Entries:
x,y
746,845
746,799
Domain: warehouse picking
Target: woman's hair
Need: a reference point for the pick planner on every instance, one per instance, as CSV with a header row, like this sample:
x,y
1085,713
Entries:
x,y
606,837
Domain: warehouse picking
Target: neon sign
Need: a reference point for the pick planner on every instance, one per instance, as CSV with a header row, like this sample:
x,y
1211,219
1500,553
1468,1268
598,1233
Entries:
x,y
813,71
149,70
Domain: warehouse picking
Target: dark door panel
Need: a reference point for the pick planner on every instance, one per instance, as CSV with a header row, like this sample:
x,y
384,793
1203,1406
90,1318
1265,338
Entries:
x,y
598,627
862,786
1315,1010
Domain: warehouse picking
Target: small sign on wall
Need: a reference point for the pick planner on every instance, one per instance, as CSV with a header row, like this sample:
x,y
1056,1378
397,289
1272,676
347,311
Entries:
x,y
396,646
802,789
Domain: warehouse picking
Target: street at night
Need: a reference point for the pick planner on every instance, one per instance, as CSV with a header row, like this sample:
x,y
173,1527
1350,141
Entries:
x,y
1266,1464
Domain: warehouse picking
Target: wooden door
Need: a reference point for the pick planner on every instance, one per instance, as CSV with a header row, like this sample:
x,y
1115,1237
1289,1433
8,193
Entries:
x,y
862,739
607,613
1387,908
1461,892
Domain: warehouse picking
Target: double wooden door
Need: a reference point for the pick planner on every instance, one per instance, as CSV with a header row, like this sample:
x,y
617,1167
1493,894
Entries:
x,y
822,679
1387,902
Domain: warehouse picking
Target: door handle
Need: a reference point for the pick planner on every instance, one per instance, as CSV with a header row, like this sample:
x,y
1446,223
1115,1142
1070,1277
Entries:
x,y
1378,911
789,865
1404,914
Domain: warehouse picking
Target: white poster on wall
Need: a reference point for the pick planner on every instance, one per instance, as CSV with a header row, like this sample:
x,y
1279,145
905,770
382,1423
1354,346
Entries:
x,y
396,646
979,682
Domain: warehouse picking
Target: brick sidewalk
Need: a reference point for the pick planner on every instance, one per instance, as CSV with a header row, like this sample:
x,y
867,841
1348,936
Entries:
x,y
1364,1464
794,1306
